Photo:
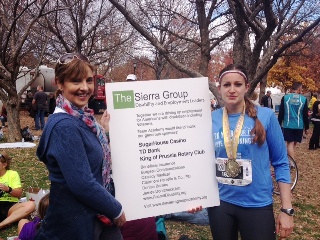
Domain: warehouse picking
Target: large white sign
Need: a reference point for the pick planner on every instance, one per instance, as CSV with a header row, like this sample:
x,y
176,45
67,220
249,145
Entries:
x,y
161,146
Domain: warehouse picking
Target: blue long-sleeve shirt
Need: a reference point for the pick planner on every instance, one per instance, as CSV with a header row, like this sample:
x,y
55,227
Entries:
x,y
259,192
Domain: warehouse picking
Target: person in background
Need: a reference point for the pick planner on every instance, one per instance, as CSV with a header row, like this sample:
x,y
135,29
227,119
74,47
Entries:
x,y
74,148
243,165
312,100
51,103
315,119
266,100
253,98
27,229
3,115
293,113
131,77
10,191
40,104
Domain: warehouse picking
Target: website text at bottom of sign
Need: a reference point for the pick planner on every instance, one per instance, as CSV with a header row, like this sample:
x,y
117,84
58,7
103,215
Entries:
x,y
164,203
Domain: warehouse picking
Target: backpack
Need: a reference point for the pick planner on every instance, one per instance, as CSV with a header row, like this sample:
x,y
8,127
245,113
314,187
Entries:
x,y
26,134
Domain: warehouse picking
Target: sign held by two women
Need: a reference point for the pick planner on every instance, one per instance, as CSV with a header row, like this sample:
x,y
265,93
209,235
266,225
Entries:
x,y
162,146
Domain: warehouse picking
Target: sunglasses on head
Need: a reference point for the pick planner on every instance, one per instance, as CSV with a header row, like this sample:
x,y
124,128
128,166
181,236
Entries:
x,y
69,57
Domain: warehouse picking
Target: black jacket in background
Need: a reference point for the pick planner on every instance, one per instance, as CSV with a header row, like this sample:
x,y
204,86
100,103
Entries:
x,y
264,101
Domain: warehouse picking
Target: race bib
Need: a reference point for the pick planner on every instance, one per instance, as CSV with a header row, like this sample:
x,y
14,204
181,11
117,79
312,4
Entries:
x,y
244,178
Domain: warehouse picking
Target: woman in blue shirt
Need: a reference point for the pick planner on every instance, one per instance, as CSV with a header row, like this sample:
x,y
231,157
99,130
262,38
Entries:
x,y
247,138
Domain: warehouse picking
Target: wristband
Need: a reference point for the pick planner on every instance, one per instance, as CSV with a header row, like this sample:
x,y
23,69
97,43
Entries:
x,y
10,190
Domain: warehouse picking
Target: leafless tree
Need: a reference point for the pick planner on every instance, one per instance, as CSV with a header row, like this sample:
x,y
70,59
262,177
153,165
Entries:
x,y
263,30
146,54
21,43
257,28
91,27
198,23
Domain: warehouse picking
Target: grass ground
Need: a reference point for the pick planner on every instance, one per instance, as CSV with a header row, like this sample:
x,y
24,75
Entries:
x,y
306,196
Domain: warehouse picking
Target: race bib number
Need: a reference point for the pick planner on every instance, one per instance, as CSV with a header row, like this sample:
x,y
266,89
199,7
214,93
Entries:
x,y
244,178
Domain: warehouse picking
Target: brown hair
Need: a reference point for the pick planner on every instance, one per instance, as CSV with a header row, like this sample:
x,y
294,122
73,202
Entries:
x,y
296,85
77,68
258,130
254,96
234,68
5,159
43,205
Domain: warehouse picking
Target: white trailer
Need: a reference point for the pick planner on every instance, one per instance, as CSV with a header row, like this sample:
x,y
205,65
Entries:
x,y
45,79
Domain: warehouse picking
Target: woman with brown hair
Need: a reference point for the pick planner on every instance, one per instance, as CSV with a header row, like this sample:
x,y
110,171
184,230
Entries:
x,y
247,138
10,191
74,148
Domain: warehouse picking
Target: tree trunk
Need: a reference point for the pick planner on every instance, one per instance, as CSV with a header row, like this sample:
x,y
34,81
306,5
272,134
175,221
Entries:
x,y
160,62
13,118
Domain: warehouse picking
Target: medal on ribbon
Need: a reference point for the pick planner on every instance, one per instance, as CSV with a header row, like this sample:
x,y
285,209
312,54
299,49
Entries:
x,y
231,143
232,168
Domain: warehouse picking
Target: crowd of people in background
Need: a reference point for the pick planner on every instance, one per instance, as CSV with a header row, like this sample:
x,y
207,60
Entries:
x,y
295,114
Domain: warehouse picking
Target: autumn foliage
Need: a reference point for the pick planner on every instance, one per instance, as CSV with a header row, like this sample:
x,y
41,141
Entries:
x,y
300,63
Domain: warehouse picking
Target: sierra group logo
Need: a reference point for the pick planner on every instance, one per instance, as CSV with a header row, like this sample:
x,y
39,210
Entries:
x,y
130,99
123,99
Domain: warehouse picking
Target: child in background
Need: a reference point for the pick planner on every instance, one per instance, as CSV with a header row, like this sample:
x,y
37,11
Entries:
x,y
11,210
26,229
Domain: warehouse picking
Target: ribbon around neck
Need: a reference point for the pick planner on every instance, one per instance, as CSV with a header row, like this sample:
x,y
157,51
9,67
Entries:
x,y
231,143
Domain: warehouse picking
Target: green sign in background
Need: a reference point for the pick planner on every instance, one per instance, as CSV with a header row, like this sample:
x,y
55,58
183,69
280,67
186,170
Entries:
x,y
123,99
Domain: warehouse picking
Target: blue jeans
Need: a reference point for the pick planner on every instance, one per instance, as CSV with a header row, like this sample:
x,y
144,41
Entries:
x,y
39,117
3,120
200,218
